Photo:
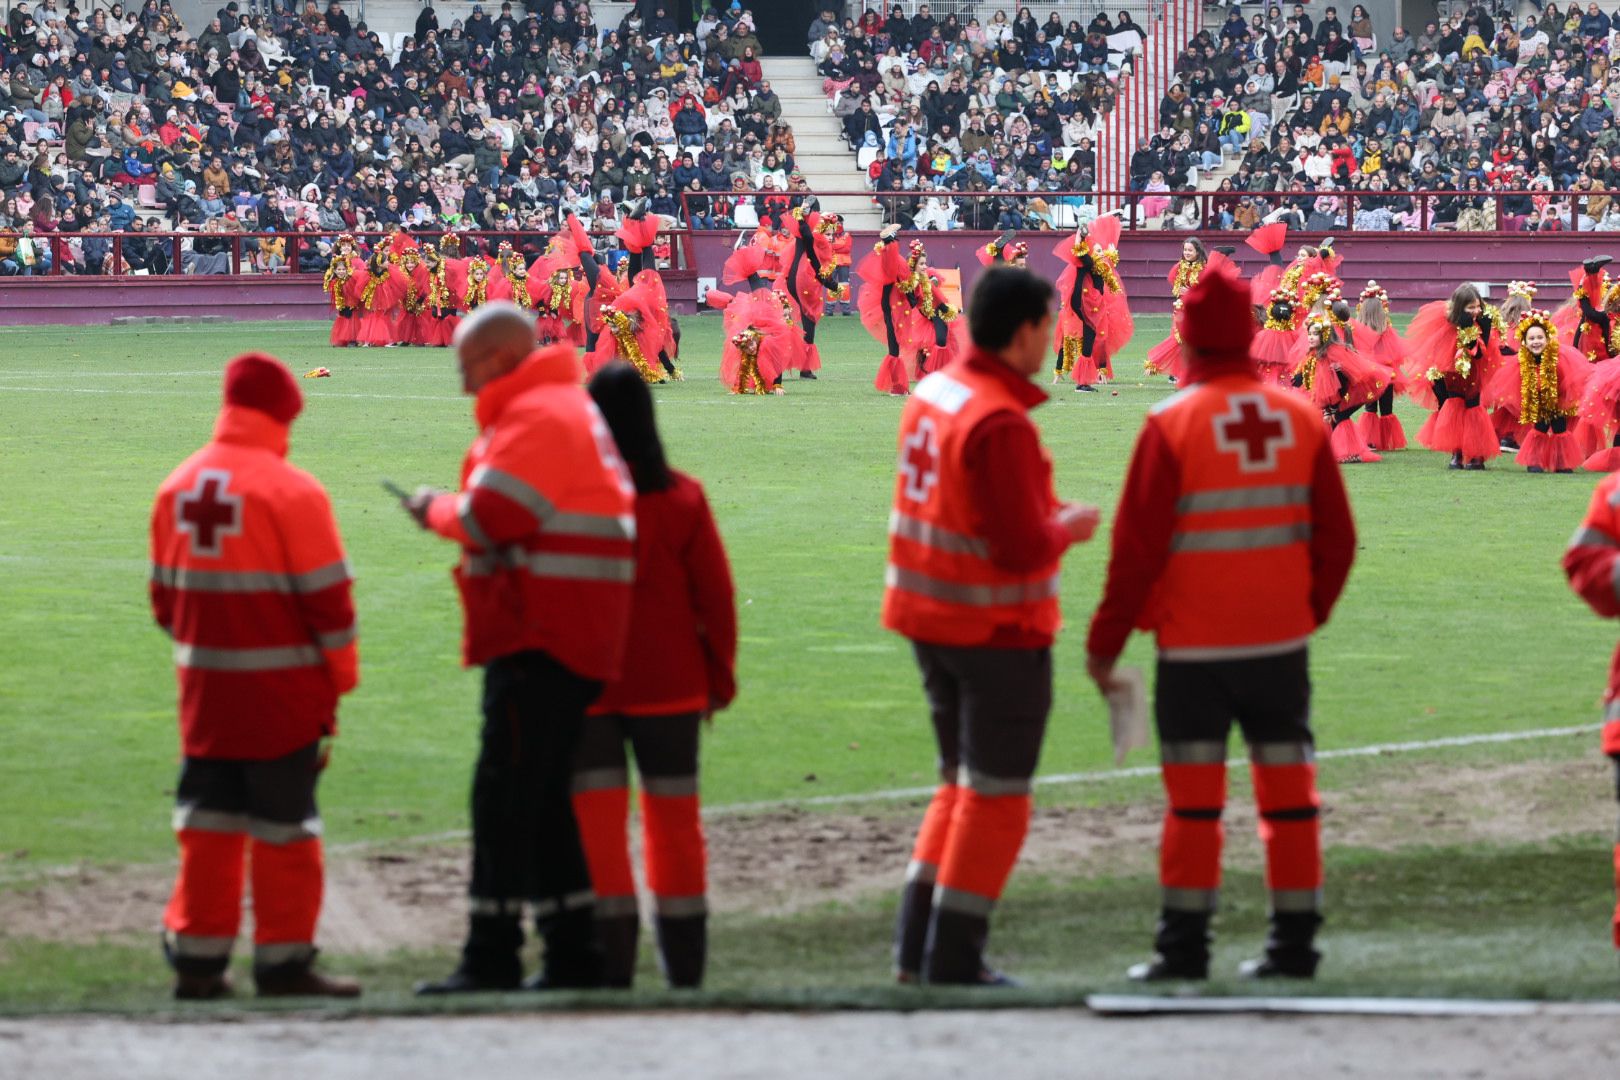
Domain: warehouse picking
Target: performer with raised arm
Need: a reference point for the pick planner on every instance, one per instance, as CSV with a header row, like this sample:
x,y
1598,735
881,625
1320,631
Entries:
x,y
1094,320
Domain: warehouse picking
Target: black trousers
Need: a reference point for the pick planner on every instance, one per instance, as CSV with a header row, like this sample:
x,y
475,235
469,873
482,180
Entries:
x,y
1268,696
526,842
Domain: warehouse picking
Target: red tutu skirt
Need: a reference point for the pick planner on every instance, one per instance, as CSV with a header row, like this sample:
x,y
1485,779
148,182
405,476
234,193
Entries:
x,y
1456,428
1261,284
1550,452
345,330
1600,401
1382,432
376,329
441,329
892,377
1165,358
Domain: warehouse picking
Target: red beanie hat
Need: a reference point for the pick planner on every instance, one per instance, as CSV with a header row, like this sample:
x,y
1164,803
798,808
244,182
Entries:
x,y
257,381
1216,316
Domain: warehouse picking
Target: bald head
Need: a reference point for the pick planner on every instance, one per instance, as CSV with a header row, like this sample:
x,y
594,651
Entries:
x,y
492,341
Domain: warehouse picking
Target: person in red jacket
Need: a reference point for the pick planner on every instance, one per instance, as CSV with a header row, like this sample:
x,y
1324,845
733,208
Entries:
x,y
544,522
1592,564
249,579
1232,543
680,669
976,535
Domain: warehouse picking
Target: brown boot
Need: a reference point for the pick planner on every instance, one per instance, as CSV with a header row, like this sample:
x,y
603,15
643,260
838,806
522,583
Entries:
x,y
304,982
201,987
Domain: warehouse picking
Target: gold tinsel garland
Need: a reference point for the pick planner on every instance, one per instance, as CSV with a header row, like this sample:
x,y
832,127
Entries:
x,y
337,275
1538,384
1186,276
559,293
1276,322
1070,353
477,285
413,304
1307,371
370,292
438,291
1107,261
618,324
749,380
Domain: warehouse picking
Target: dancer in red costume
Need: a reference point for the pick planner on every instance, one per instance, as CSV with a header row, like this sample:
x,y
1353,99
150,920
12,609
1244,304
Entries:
x,y
1588,317
843,246
413,327
1452,349
1505,407
635,328
883,273
932,333
559,294
767,308
344,282
1005,248
1377,339
383,289
441,320
1338,380
1543,388
1268,240
809,270
1094,321
1273,345
1165,357
759,340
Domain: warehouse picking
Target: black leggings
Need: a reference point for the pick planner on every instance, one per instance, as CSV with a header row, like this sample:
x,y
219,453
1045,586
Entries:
x,y
887,304
1088,333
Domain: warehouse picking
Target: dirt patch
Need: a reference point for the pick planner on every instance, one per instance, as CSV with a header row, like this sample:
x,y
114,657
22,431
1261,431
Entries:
x,y
783,861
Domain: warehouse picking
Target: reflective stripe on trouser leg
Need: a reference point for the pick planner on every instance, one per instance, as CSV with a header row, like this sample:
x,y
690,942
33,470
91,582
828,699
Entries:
x,y
288,880
917,897
987,832
1289,824
1190,850
205,909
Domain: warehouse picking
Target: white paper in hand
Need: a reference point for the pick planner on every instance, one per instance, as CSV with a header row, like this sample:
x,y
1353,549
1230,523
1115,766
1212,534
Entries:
x,y
1127,712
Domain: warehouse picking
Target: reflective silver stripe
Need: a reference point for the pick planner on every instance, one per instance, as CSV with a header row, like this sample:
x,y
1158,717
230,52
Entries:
x,y
985,784
469,523
921,873
1208,752
192,816
278,953
1282,753
480,905
601,526
601,779
1287,900
572,902
966,903
670,787
1234,652
1589,537
616,907
952,592
1250,498
1611,711
207,948
518,490
682,907
338,638
1614,578
1190,899
271,659
221,581
921,532
323,577
1269,536
550,564
285,832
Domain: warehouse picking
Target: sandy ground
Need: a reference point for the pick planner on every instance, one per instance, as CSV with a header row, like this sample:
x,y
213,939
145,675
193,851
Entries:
x,y
778,862
872,1046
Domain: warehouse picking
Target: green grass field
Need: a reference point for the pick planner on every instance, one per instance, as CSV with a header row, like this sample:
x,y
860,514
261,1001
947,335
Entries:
x,y
1457,623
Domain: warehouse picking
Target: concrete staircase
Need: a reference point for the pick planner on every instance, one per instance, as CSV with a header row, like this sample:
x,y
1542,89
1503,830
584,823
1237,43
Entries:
x,y
822,156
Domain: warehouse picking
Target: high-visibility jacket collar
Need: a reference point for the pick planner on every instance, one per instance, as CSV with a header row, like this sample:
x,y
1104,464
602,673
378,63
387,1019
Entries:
x,y
552,364
1025,392
1207,367
240,425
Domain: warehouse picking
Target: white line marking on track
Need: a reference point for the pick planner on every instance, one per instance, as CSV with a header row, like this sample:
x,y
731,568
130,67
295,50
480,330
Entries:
x,y
723,401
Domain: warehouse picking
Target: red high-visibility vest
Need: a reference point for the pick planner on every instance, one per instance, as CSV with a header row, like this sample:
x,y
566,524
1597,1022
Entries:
x,y
1238,581
940,585
546,517
248,577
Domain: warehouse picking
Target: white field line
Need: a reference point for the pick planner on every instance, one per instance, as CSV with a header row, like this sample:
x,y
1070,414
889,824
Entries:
x,y
214,372
725,400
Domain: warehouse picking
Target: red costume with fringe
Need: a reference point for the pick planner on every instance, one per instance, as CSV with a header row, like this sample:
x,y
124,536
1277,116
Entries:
x,y
1543,392
1446,368
1379,425
1268,240
759,340
882,272
344,284
1094,320
811,266
382,289
1165,357
631,331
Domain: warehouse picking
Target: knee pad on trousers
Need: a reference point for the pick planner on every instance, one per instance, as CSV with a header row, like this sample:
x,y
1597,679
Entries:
x,y
603,814
288,880
674,851
987,832
1290,824
1190,854
205,910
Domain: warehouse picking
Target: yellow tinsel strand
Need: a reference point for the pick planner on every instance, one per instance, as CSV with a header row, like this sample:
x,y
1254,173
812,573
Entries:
x,y
749,380
1187,274
477,285
1307,371
1070,353
618,324
559,293
1107,262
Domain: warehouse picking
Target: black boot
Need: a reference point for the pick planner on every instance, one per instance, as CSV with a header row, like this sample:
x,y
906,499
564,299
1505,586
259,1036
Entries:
x,y
619,936
1181,948
1596,263
954,953
489,959
1290,951
683,946
911,929
573,958
1456,461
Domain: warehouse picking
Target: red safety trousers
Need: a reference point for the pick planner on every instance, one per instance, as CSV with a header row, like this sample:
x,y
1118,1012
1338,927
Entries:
x,y
674,855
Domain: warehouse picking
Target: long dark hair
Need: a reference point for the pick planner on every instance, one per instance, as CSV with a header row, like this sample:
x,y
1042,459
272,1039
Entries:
x,y
621,394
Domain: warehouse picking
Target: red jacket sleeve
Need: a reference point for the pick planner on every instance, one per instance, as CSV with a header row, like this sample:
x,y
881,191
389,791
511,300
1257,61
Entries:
x,y
714,602
1593,555
1141,542
1005,469
1333,535
325,596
